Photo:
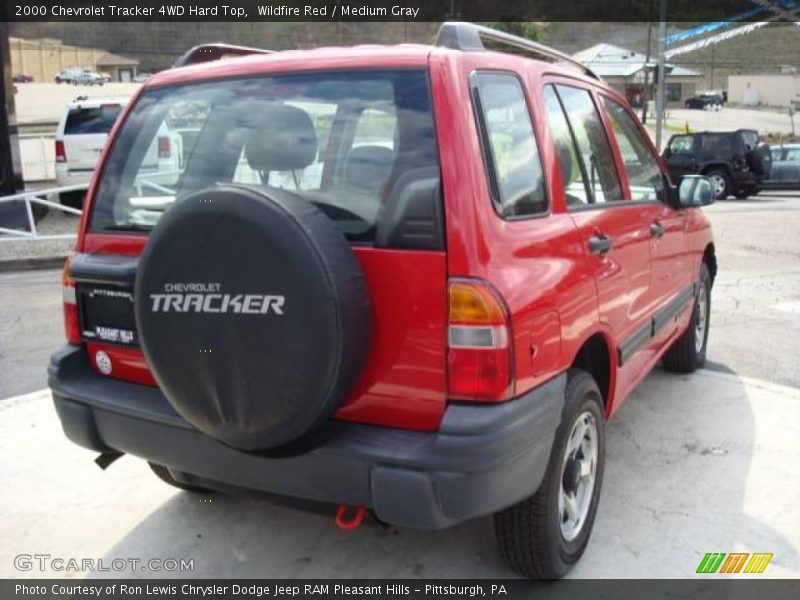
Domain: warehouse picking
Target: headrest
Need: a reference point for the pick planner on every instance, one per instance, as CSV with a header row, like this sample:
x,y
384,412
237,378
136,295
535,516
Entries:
x,y
369,167
285,140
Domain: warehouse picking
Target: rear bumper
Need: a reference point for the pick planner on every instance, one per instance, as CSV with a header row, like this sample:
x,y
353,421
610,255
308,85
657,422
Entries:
x,y
66,176
746,178
484,457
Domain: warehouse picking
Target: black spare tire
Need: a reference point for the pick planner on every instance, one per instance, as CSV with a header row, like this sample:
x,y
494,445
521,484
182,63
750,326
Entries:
x,y
761,160
253,314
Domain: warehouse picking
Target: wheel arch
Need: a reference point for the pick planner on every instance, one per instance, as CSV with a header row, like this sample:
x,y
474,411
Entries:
x,y
597,356
713,166
710,260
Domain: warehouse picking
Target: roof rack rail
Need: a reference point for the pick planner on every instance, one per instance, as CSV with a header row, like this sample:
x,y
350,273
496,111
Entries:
x,y
469,37
210,52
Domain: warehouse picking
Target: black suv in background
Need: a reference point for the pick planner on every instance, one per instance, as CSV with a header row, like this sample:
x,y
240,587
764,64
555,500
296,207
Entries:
x,y
713,101
735,161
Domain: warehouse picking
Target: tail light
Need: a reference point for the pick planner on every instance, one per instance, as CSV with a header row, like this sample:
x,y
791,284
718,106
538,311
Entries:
x,y
742,159
480,355
61,155
71,327
163,147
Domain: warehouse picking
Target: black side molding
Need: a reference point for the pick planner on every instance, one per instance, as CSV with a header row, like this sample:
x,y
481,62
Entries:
x,y
647,331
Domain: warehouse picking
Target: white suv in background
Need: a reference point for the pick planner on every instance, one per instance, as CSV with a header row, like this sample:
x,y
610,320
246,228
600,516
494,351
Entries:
x,y
81,135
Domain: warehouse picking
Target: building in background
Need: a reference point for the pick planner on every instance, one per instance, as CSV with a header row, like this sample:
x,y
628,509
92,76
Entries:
x,y
624,70
119,67
44,57
765,90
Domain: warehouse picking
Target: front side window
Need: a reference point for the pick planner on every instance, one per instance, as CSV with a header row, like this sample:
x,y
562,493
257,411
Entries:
x,y
511,153
644,174
793,154
591,144
681,144
348,142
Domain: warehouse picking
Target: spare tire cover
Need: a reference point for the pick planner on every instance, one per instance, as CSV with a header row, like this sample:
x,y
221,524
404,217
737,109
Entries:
x,y
253,314
761,160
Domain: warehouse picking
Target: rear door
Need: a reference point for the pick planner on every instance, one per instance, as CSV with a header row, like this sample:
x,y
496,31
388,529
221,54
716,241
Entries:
x,y
613,229
85,133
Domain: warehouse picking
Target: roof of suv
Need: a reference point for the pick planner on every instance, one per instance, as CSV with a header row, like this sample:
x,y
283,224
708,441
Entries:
x,y
362,56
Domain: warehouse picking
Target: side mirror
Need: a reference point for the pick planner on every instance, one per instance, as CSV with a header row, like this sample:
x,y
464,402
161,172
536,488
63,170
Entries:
x,y
695,190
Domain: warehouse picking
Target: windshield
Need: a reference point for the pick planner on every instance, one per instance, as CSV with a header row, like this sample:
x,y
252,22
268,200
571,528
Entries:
x,y
342,140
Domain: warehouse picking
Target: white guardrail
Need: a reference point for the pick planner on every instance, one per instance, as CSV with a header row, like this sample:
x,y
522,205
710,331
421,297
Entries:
x,y
39,197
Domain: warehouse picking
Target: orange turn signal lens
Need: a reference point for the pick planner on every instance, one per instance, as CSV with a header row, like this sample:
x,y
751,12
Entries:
x,y
472,304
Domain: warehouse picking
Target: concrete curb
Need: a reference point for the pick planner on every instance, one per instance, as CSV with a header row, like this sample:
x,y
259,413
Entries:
x,y
31,264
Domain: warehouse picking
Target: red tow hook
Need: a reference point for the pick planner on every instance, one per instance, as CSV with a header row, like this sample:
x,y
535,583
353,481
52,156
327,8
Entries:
x,y
344,525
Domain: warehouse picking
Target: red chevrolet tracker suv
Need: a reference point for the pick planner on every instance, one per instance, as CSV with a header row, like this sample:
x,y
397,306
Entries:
x,y
415,280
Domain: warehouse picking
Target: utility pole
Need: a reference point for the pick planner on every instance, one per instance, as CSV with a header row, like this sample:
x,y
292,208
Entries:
x,y
647,92
662,86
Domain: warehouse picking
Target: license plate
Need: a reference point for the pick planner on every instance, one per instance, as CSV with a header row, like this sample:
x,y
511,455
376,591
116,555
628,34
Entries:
x,y
106,315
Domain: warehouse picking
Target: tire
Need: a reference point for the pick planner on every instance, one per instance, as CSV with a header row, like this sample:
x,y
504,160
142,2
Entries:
x,y
284,369
72,199
164,475
760,160
688,352
721,182
530,534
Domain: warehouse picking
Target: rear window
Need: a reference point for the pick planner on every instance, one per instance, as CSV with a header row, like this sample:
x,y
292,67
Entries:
x,y
749,138
352,143
91,120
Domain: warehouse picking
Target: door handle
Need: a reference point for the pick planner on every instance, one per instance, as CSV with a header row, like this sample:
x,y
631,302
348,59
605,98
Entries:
x,y
656,229
600,244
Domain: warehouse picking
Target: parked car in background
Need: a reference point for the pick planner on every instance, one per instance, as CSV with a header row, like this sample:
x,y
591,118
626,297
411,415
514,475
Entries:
x,y
735,161
142,77
106,77
22,78
706,101
89,77
68,75
785,173
81,135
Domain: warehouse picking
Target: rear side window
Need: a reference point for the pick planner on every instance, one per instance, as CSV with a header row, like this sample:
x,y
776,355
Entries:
x,y
510,151
717,143
91,120
576,187
591,143
644,173
359,145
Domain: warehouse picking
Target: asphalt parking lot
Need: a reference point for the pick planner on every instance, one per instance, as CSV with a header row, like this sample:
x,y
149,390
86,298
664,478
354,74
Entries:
x,y
696,464
732,118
